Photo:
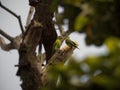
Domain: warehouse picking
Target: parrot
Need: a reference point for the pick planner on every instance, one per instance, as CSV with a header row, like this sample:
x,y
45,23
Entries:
x,y
57,44
71,43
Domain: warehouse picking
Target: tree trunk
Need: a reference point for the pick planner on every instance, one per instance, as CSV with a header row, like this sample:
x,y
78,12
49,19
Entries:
x,y
38,31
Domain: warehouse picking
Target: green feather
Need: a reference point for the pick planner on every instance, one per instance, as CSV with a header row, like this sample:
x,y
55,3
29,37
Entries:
x,y
57,44
70,43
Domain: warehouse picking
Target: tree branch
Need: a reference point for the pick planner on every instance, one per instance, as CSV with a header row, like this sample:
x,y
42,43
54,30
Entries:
x,y
5,46
60,29
59,25
6,35
60,56
15,15
20,23
14,42
31,10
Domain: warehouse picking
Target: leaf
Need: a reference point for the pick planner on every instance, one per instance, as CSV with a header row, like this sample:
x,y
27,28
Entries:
x,y
54,5
105,81
80,22
113,44
76,2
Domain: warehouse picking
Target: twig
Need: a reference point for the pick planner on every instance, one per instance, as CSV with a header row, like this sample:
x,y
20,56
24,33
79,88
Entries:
x,y
20,23
31,10
60,29
15,15
59,25
6,35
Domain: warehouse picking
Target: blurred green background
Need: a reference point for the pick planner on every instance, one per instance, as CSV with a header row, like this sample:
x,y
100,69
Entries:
x,y
100,21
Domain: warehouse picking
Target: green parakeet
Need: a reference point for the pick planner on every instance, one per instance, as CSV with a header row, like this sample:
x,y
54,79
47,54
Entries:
x,y
71,43
57,44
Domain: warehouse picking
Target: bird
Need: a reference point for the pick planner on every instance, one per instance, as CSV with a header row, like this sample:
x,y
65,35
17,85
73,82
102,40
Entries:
x,y
57,44
71,43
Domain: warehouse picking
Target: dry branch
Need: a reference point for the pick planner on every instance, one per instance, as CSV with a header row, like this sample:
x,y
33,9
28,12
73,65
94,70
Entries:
x,y
59,25
30,70
60,56
6,35
14,43
31,10
15,15
4,46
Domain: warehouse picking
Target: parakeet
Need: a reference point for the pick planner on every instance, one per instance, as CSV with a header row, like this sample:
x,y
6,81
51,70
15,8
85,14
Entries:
x,y
57,44
71,43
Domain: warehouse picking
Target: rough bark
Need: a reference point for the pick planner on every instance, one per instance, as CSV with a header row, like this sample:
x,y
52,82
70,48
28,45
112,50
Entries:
x,y
39,30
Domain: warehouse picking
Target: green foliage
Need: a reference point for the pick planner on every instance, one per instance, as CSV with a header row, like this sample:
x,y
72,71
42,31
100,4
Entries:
x,y
103,22
80,22
113,44
54,5
93,73
99,20
71,10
